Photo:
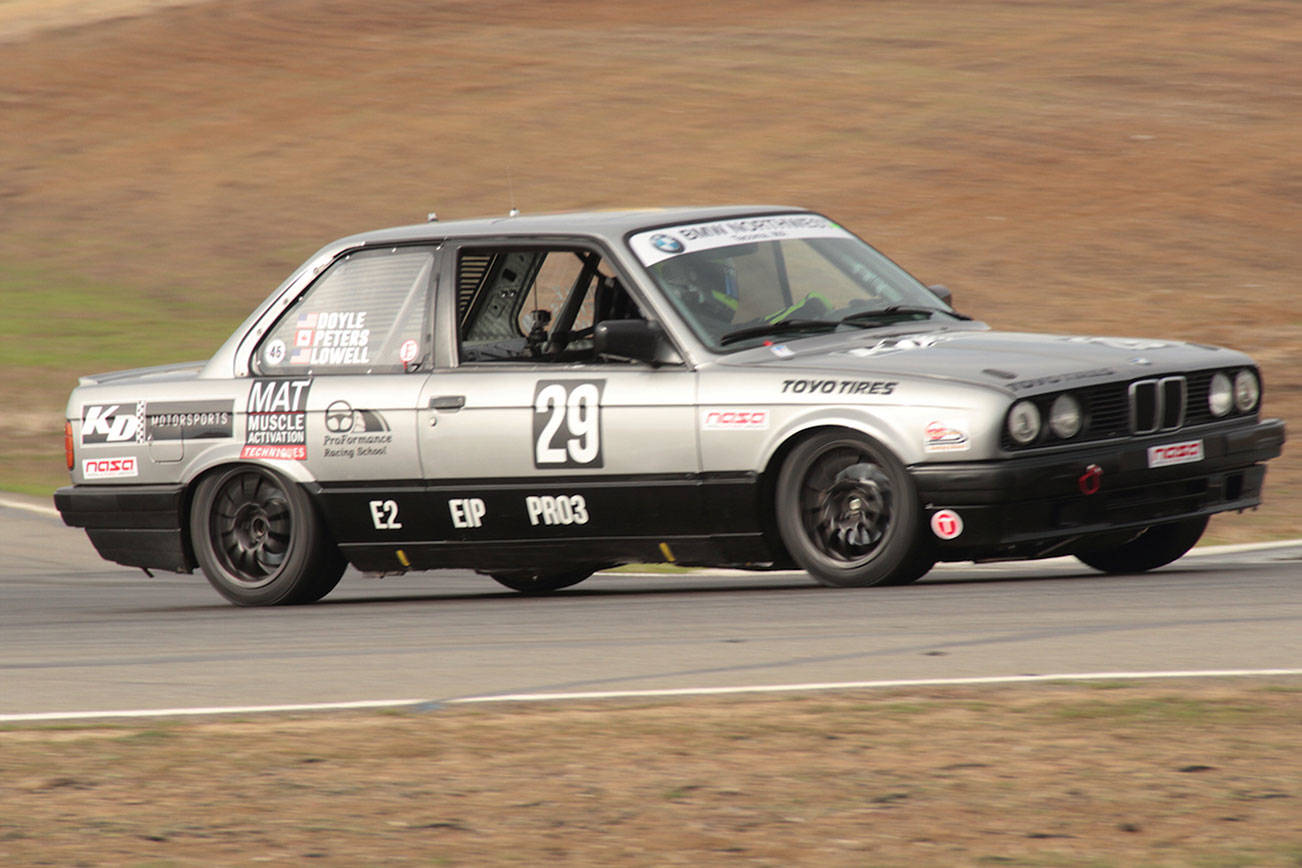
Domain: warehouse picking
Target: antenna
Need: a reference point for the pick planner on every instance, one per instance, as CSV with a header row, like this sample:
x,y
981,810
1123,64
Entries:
x,y
510,192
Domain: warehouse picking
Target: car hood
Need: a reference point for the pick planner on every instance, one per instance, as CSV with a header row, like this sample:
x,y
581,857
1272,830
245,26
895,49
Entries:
x,y
1017,362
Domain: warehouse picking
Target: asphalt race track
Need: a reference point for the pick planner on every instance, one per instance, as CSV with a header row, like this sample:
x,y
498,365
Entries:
x,y
80,635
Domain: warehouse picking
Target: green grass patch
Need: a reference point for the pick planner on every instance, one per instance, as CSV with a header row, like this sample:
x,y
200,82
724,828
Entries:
x,y
64,321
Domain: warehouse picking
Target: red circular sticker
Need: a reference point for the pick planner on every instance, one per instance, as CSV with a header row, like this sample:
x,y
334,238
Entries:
x,y
408,351
947,524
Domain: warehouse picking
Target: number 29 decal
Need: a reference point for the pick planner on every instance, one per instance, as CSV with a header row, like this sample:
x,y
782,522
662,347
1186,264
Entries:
x,y
567,423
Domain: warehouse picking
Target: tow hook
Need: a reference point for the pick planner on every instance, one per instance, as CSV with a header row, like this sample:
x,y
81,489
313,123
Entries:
x,y
1091,480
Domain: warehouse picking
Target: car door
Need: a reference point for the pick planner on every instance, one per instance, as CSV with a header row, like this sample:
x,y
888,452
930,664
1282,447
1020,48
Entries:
x,y
537,445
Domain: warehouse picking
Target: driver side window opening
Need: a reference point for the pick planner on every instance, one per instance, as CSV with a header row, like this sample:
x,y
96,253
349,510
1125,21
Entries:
x,y
535,304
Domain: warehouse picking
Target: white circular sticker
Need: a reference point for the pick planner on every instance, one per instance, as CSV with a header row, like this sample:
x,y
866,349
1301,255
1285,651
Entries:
x,y
408,351
275,352
947,524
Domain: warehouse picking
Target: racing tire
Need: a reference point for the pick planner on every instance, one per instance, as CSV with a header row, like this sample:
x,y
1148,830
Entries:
x,y
260,541
541,581
1155,547
848,512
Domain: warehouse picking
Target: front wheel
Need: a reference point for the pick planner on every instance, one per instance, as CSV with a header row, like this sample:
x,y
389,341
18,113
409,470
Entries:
x,y
259,540
848,512
1155,547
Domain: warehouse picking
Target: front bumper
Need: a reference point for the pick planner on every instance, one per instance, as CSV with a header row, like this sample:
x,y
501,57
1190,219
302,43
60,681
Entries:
x,y
134,525
1037,505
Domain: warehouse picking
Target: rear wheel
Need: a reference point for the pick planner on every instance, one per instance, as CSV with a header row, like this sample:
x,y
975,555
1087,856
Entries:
x,y
542,581
259,540
1155,547
848,512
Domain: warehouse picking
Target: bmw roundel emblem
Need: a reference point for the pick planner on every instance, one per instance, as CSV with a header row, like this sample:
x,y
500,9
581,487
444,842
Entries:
x,y
667,244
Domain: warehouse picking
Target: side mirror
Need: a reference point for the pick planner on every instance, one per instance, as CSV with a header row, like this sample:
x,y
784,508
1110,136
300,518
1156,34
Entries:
x,y
941,291
633,339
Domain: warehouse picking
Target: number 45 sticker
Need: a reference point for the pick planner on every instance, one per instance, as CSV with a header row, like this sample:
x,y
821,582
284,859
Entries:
x,y
567,423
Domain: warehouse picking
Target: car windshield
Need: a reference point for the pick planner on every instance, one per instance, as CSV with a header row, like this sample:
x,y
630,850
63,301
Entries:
x,y
740,282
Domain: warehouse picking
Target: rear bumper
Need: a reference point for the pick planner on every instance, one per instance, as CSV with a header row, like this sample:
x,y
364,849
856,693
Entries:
x,y
1037,505
133,525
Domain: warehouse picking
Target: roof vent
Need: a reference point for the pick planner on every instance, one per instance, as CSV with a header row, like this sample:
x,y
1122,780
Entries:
x,y
431,217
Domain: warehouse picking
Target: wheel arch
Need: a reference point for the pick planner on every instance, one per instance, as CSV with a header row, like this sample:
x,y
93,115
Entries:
x,y
293,472
768,478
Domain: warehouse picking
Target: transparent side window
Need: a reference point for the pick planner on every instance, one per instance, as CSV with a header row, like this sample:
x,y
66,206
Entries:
x,y
536,305
367,313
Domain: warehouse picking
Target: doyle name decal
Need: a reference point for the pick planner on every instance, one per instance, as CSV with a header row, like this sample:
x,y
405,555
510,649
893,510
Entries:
x,y
331,338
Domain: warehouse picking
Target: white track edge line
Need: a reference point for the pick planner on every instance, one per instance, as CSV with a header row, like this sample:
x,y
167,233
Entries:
x,y
862,685
196,712
37,717
29,507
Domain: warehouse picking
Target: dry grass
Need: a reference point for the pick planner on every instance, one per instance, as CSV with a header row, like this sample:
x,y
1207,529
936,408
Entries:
x,y
1060,775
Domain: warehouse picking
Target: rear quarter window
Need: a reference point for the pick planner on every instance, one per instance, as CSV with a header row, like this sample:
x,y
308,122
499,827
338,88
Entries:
x,y
367,313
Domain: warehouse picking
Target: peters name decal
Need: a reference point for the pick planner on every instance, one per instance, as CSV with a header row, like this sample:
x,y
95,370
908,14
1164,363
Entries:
x,y
329,338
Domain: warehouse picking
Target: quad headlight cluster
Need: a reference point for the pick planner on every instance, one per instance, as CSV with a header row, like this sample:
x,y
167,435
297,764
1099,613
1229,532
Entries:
x,y
1241,393
1047,419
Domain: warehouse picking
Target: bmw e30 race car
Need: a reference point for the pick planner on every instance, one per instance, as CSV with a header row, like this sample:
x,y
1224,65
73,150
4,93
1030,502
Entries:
x,y
541,397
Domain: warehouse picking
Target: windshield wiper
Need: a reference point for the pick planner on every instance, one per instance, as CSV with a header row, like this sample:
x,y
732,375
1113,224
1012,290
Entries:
x,y
867,318
773,328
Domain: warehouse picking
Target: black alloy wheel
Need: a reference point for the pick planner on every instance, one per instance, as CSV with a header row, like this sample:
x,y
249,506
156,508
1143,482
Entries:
x,y
259,540
848,512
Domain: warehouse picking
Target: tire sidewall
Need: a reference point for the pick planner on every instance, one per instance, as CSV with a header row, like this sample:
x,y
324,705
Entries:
x,y
897,549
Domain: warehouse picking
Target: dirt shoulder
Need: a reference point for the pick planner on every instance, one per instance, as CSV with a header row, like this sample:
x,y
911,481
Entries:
x,y
20,19
1057,775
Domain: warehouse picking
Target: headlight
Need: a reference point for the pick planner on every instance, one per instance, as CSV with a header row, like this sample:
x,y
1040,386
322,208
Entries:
x,y
1065,417
1220,395
1024,422
1247,391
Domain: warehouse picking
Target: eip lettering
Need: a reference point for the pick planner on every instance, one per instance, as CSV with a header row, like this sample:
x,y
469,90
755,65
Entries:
x,y
467,512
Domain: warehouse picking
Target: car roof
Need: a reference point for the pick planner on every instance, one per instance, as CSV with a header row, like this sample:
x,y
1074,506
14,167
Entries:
x,y
609,225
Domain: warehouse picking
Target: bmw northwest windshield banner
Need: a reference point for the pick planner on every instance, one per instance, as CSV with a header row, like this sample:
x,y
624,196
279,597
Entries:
x,y
660,244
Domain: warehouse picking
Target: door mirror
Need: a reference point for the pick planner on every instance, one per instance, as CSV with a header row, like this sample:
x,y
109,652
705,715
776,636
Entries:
x,y
632,339
941,291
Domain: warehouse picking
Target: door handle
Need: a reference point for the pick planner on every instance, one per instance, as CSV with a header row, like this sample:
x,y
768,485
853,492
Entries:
x,y
447,402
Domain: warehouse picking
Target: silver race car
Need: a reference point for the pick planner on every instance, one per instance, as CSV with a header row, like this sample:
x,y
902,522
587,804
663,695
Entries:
x,y
537,398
